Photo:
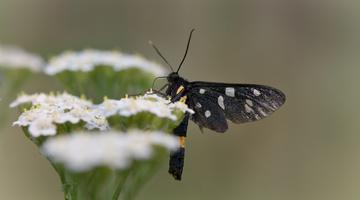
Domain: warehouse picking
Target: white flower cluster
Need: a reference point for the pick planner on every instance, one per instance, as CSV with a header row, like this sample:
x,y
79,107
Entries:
x,y
49,110
87,60
84,151
148,103
14,57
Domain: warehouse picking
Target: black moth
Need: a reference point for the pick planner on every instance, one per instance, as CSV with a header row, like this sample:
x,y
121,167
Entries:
x,y
214,104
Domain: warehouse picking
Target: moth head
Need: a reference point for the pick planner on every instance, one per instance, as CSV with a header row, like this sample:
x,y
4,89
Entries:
x,y
173,77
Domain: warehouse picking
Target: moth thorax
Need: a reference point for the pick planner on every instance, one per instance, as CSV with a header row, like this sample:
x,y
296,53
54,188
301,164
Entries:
x,y
180,89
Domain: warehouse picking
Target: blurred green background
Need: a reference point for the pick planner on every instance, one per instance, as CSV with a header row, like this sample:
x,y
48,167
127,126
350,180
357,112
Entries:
x,y
309,149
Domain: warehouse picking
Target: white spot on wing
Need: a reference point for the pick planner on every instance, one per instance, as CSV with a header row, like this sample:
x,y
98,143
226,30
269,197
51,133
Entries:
x,y
230,91
249,102
256,92
207,114
198,105
248,109
201,91
221,102
262,112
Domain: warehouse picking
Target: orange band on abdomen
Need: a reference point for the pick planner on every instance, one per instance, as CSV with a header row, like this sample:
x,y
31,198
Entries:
x,y
182,140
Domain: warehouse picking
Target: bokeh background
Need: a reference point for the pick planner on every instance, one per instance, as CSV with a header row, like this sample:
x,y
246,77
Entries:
x,y
309,149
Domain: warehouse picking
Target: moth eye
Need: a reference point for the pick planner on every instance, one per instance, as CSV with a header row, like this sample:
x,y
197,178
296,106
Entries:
x,y
256,92
230,91
207,114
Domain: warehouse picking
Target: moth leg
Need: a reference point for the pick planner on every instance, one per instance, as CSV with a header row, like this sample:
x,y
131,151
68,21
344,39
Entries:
x,y
176,162
163,87
159,93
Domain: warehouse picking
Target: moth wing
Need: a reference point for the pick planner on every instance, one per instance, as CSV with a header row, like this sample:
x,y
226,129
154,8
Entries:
x,y
207,113
239,103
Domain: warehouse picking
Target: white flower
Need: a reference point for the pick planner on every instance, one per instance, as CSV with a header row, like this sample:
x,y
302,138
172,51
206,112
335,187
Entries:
x,y
24,98
87,60
148,103
42,126
57,109
14,57
62,108
84,151
63,99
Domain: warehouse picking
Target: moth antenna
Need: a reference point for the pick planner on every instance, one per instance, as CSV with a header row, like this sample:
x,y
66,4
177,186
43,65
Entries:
x,y
186,51
158,52
155,79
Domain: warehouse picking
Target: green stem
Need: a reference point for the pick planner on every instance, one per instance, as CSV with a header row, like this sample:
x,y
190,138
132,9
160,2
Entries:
x,y
120,181
69,188
139,176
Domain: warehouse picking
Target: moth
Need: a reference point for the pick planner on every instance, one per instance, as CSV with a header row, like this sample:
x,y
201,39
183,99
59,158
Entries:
x,y
214,104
